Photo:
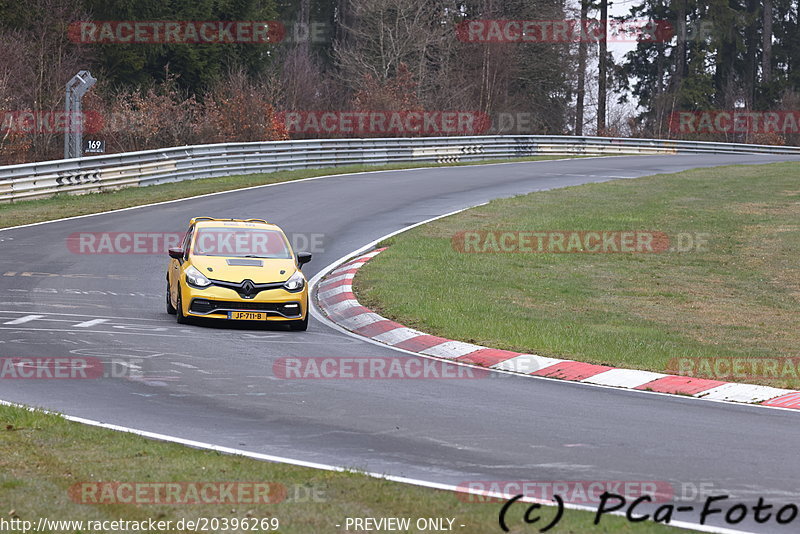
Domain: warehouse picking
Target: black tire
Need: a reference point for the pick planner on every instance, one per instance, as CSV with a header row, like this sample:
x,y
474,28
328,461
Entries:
x,y
179,316
300,326
170,308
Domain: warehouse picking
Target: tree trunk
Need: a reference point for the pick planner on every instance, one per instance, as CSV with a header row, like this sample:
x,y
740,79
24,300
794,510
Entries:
x,y
342,20
603,75
751,45
582,50
680,46
304,22
766,56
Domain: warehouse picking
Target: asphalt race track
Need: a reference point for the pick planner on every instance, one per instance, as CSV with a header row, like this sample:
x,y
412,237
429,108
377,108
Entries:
x,y
216,384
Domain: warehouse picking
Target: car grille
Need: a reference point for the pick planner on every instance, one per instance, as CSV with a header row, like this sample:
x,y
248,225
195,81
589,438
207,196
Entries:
x,y
246,288
206,306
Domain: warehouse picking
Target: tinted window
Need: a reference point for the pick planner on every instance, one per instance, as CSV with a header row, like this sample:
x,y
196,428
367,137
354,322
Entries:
x,y
241,242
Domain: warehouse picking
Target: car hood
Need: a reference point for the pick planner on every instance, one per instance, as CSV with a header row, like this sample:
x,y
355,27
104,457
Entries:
x,y
259,270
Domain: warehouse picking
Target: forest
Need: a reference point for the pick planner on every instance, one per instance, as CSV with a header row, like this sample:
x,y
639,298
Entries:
x,y
182,72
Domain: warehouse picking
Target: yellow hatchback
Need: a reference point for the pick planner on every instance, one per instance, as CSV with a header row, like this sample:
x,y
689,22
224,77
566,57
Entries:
x,y
237,270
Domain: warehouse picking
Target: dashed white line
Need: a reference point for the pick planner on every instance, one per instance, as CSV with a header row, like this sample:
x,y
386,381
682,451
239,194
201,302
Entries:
x,y
25,319
87,324
128,365
181,364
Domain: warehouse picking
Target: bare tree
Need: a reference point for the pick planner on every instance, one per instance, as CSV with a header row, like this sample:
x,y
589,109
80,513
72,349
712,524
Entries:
x,y
382,34
581,88
304,20
37,63
766,55
603,74
304,84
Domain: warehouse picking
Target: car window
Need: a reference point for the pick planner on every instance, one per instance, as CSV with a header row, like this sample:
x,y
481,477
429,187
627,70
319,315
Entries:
x,y
241,242
187,240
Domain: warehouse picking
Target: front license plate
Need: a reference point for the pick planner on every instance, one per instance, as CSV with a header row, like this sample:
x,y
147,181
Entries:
x,y
247,316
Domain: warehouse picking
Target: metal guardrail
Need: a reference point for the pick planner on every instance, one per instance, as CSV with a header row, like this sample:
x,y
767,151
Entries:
x,y
133,169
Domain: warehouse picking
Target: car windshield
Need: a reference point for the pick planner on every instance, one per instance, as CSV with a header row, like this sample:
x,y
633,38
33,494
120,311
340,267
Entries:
x,y
241,243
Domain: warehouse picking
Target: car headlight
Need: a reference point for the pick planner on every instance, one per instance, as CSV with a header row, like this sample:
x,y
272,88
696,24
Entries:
x,y
196,278
295,283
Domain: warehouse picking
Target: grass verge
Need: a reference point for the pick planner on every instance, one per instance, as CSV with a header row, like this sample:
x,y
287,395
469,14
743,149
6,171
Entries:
x,y
64,205
733,291
42,456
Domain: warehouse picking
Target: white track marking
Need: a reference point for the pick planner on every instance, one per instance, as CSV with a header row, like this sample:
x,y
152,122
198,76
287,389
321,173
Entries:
x,y
742,393
345,276
87,324
358,321
106,332
451,349
624,378
80,315
341,306
25,319
354,265
344,288
398,335
526,363
184,365
128,365
49,319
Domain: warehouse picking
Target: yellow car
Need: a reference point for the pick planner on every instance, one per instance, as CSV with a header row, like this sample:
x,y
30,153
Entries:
x,y
238,270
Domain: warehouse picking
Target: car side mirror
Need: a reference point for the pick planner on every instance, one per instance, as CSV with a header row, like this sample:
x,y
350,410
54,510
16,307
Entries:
x,y
176,253
303,258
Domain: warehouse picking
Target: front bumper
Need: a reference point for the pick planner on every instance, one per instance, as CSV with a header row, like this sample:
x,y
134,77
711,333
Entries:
x,y
215,302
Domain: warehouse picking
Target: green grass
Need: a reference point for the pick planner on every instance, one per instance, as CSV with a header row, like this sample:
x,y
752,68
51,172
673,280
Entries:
x,y
737,298
64,205
43,455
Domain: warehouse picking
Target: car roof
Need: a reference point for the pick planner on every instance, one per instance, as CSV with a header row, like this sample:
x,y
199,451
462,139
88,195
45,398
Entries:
x,y
205,222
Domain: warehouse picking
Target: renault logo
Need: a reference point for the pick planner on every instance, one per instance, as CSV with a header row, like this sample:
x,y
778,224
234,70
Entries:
x,y
248,289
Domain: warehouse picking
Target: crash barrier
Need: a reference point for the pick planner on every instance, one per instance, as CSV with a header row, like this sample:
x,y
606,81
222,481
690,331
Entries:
x,y
134,169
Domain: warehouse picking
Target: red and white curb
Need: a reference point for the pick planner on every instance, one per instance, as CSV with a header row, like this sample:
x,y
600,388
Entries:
x,y
337,301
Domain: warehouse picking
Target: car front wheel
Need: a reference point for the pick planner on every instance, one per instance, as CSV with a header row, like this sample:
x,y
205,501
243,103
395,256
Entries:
x,y
301,325
179,316
170,308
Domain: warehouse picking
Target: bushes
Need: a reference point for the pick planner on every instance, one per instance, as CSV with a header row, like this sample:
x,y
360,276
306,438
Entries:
x,y
161,116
